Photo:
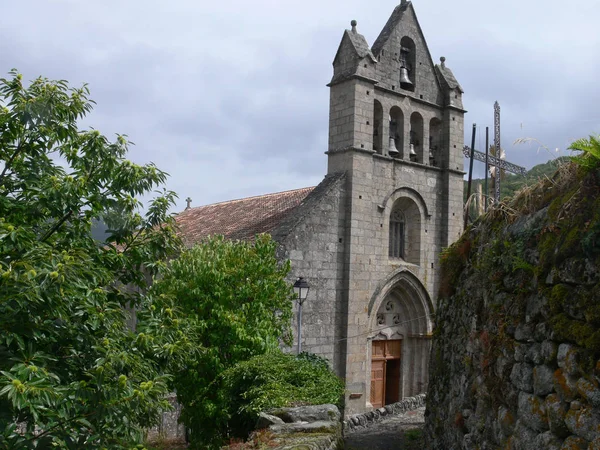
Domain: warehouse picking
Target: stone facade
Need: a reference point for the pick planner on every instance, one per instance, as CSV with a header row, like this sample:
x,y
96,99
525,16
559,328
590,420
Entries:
x,y
369,237
341,244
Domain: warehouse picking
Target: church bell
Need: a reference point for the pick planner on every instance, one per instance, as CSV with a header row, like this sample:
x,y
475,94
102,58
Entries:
x,y
405,82
412,154
392,151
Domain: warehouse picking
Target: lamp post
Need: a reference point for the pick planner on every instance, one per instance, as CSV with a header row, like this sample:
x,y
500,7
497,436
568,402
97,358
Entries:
x,y
301,288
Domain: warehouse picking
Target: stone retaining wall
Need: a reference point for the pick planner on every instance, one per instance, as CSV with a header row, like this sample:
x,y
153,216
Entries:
x,y
305,427
359,421
515,363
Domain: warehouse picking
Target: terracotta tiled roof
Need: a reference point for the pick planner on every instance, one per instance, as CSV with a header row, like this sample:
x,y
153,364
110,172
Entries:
x,y
239,219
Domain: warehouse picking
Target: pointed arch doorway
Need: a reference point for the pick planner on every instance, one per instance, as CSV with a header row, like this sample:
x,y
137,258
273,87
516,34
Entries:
x,y
400,341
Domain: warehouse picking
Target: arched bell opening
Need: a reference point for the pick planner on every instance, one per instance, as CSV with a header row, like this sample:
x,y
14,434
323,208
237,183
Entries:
x,y
407,64
396,147
378,127
416,138
435,142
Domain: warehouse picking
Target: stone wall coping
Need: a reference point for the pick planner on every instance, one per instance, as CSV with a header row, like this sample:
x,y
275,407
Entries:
x,y
365,420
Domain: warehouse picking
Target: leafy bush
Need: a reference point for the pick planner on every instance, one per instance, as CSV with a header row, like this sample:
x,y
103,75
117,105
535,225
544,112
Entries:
x,y
268,381
234,303
72,375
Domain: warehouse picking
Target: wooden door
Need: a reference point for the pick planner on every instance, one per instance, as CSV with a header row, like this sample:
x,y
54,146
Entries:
x,y
377,382
385,372
393,349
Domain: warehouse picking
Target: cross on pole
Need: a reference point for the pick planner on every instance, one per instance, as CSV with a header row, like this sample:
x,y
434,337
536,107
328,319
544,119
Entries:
x,y
497,146
496,161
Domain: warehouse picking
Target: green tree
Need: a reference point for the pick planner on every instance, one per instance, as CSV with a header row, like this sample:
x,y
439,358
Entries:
x,y
72,375
235,304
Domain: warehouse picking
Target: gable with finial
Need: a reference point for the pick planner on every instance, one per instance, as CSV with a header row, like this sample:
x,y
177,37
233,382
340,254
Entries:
x,y
402,53
352,52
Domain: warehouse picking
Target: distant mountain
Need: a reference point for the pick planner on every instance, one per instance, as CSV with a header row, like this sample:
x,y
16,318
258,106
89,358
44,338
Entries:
x,y
512,183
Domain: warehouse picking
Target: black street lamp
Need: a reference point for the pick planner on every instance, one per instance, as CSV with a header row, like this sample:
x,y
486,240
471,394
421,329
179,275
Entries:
x,y
301,289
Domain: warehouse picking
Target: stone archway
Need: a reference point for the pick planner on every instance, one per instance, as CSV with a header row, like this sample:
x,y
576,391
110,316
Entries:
x,y
399,340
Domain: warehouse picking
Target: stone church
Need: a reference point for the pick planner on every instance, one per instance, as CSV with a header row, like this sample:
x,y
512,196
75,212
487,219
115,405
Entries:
x,y
369,236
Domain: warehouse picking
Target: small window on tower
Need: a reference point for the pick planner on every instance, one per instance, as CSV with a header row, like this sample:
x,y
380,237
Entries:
x,y
405,231
397,224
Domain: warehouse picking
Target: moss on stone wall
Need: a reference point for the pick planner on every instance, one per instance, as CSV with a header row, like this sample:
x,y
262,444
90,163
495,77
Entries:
x,y
522,281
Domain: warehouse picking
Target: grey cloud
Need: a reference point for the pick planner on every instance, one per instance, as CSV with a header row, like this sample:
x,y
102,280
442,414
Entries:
x,y
230,97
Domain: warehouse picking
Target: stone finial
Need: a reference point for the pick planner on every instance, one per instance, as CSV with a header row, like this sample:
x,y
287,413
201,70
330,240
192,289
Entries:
x,y
443,61
403,2
353,25
189,203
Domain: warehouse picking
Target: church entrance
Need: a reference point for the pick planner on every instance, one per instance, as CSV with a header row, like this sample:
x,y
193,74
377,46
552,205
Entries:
x,y
386,372
399,341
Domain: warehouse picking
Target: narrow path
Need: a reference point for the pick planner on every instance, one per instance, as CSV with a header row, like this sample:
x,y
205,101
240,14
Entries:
x,y
401,432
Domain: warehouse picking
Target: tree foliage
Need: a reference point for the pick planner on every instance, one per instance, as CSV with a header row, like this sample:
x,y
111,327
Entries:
x,y
234,303
271,381
72,375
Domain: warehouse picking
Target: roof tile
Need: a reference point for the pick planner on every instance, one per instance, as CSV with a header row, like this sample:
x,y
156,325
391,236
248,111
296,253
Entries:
x,y
239,219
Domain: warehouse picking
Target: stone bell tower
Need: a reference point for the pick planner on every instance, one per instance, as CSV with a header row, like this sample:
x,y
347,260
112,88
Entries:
x,y
396,131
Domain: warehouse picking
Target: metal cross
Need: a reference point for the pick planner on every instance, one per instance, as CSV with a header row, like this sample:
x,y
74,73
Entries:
x,y
496,161
189,202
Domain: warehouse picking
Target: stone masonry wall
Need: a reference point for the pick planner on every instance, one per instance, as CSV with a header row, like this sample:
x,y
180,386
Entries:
x,y
314,242
516,356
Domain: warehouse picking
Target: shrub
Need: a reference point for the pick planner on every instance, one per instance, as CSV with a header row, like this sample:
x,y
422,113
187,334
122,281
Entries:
x,y
264,382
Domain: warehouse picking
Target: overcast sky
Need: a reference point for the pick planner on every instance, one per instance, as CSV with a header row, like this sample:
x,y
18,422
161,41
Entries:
x,y
229,96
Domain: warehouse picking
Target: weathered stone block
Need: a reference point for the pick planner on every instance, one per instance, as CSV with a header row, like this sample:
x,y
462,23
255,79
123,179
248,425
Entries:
x,y
542,332
308,413
522,377
578,271
520,352
534,354
543,380
523,437
549,350
532,412
320,426
266,420
584,423
524,333
589,391
568,359
565,386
